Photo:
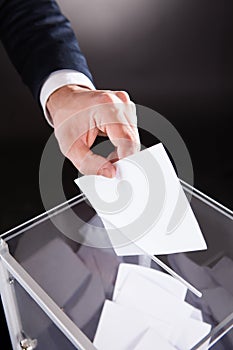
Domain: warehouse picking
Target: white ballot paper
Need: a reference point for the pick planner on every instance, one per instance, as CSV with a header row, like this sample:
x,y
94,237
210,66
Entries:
x,y
165,281
144,208
150,298
148,311
193,332
121,327
152,340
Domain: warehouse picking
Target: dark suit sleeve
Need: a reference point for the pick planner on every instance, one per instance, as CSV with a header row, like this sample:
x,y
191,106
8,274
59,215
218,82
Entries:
x,y
39,40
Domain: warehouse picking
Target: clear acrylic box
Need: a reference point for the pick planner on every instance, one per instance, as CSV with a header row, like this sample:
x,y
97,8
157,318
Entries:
x,y
53,288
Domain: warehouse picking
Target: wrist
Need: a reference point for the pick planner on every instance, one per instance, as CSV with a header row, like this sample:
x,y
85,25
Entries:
x,y
61,97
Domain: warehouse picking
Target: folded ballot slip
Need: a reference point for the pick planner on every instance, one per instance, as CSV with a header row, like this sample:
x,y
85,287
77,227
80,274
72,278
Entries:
x,y
144,208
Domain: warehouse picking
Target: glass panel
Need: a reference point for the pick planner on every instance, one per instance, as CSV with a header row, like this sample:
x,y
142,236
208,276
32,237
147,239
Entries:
x,y
211,270
37,325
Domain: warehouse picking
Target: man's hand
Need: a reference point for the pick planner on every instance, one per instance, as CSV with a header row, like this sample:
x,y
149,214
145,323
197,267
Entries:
x,y
79,115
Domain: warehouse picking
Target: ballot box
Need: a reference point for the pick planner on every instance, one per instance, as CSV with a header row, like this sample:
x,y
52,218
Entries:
x,y
61,291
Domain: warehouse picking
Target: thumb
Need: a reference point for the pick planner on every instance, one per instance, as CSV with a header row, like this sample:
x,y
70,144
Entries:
x,y
89,163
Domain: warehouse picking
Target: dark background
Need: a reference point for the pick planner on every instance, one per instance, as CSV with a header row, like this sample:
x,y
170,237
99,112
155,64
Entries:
x,y
175,57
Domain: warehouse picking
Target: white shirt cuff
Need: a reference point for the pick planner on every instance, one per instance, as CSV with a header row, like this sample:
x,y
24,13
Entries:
x,y
58,79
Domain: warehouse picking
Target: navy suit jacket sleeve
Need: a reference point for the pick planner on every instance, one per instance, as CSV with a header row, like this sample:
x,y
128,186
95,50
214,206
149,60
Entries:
x,y
39,40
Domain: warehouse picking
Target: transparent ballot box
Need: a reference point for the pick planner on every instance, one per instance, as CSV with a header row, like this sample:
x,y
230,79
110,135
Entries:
x,y
59,292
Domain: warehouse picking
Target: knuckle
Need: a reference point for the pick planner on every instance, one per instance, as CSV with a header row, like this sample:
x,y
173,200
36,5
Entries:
x,y
124,94
105,97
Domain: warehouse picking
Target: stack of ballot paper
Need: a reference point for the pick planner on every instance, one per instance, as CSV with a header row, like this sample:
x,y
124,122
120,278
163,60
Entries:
x,y
148,311
144,208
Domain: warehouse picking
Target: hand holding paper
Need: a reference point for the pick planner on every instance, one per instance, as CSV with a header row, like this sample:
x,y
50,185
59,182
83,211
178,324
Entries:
x,y
144,208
